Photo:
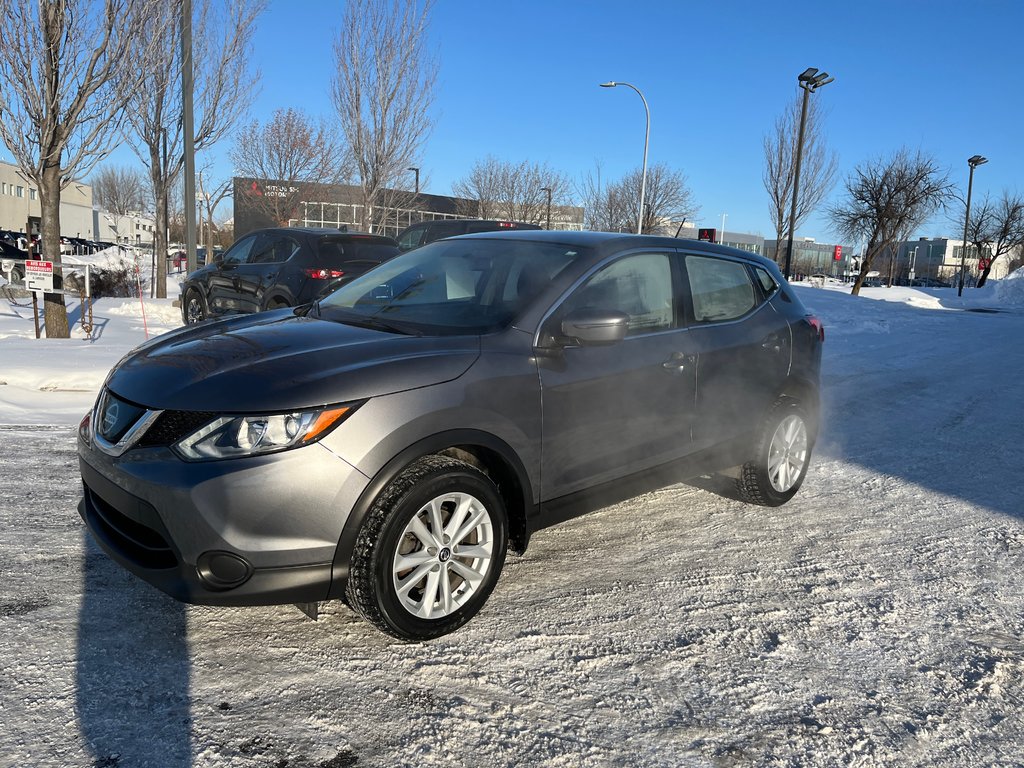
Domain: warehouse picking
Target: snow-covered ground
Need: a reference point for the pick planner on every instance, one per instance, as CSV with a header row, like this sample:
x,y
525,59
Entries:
x,y
877,619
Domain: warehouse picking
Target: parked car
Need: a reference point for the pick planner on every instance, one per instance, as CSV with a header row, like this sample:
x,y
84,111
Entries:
x,y
387,444
275,268
428,231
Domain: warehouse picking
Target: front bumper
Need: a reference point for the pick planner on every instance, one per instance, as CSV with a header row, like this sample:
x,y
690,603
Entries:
x,y
260,531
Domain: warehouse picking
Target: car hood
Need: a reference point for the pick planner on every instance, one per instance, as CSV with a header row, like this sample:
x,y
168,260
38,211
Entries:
x,y
278,361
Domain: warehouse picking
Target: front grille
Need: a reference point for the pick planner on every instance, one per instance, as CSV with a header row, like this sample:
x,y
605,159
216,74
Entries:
x,y
137,542
115,417
171,426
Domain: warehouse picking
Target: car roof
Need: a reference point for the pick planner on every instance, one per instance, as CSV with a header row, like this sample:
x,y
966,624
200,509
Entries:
x,y
611,241
333,232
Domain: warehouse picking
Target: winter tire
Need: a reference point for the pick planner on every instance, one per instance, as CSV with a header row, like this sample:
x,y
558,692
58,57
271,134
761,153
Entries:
x,y
781,456
430,550
195,307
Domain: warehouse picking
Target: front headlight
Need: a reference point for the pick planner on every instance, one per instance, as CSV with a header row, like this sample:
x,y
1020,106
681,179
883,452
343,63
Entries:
x,y
230,437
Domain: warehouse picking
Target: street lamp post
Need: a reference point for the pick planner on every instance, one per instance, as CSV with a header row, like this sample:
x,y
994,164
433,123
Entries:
x,y
548,190
973,162
647,137
721,236
417,172
810,80
913,264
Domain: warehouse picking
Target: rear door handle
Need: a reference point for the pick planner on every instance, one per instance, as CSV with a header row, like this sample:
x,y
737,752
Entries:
x,y
678,362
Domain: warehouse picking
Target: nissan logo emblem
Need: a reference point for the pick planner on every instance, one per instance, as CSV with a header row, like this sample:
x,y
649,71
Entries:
x,y
110,418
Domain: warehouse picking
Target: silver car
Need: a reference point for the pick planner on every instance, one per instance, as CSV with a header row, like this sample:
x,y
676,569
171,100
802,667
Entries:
x,y
388,444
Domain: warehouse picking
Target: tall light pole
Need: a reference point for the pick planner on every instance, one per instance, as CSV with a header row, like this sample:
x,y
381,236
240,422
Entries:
x,y
548,190
721,236
973,162
647,137
417,172
810,80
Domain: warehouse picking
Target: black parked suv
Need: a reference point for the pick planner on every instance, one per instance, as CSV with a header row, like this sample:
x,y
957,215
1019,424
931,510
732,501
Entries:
x,y
276,268
429,231
388,444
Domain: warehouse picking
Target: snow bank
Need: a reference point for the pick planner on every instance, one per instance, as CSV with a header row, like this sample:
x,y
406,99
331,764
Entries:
x,y
1010,290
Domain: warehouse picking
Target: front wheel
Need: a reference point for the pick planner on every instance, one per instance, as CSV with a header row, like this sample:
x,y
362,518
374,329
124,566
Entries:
x,y
430,550
781,456
195,307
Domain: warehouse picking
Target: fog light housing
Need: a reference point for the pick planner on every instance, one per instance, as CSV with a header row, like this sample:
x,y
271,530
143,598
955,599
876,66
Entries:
x,y
223,570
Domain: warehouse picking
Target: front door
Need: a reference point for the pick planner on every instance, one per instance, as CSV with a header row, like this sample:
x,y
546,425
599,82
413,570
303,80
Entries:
x,y
221,292
610,411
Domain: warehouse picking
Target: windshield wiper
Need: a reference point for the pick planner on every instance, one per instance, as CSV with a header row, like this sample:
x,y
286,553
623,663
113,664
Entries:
x,y
370,321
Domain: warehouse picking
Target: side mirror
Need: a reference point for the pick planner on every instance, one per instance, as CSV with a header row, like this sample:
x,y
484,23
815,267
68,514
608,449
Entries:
x,y
595,326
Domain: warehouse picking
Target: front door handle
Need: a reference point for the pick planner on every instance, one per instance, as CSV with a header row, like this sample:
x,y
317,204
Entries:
x,y
678,362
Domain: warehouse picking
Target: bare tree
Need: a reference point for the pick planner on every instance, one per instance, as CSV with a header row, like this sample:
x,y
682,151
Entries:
x,y
817,167
480,189
210,196
615,207
289,151
119,190
997,226
383,88
885,200
513,191
603,206
223,85
668,199
62,103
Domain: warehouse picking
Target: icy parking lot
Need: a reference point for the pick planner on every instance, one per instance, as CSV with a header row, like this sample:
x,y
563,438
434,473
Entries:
x,y
877,619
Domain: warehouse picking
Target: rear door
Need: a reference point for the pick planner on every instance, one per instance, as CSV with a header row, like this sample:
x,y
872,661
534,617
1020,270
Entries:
x,y
743,346
610,411
262,269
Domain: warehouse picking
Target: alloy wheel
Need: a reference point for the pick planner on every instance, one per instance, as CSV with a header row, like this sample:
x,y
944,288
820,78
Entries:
x,y
443,555
787,453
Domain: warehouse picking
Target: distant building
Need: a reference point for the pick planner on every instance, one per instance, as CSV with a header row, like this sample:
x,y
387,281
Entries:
x,y
79,218
336,205
20,205
810,257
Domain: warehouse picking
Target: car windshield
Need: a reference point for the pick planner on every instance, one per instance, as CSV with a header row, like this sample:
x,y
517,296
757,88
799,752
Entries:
x,y
451,286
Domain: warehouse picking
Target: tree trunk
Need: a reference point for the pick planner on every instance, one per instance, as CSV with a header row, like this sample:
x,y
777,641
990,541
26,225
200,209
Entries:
x,y
56,314
984,275
160,193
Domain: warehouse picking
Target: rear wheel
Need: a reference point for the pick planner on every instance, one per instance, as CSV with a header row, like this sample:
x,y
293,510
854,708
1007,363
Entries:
x,y
781,456
430,550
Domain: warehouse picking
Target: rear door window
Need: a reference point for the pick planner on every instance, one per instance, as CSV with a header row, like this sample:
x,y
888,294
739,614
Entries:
x,y
720,290
411,238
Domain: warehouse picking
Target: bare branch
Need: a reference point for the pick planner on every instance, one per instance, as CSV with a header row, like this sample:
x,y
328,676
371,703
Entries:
x,y
817,167
291,152
886,200
224,83
63,98
383,88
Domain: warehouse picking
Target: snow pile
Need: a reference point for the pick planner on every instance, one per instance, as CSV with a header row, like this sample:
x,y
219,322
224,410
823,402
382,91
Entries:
x,y
1010,290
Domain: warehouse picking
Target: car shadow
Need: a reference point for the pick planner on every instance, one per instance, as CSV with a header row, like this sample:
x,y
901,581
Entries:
x,y
132,692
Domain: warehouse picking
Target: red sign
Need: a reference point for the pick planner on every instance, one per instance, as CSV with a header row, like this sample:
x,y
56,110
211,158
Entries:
x,y
42,267
707,234
837,254
983,264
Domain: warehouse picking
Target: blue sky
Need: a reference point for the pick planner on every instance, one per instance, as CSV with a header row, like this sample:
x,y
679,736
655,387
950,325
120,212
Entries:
x,y
520,81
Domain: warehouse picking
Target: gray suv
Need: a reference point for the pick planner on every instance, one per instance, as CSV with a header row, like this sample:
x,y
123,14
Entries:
x,y
388,444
